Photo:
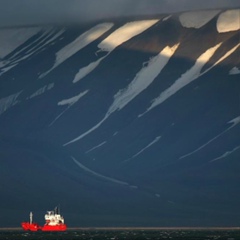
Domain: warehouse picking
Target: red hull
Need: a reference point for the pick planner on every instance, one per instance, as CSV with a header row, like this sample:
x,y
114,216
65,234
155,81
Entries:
x,y
30,226
60,227
34,227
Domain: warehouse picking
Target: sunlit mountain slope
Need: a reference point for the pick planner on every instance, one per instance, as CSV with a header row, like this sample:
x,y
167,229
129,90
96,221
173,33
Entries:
x,y
124,123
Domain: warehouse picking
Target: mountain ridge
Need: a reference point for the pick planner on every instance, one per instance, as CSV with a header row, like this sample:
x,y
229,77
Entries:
x,y
123,123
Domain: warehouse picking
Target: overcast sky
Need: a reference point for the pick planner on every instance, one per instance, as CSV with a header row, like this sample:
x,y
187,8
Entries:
x,y
34,12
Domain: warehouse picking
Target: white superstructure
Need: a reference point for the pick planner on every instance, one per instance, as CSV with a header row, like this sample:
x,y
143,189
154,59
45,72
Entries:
x,y
53,218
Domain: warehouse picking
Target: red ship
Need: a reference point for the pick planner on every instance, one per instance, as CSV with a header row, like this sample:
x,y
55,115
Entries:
x,y
30,226
54,222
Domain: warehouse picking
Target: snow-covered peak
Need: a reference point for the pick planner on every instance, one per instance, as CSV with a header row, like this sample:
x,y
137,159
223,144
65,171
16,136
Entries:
x,y
229,21
197,19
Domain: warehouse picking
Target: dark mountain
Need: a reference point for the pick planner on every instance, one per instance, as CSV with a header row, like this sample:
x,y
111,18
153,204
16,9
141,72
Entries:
x,y
123,123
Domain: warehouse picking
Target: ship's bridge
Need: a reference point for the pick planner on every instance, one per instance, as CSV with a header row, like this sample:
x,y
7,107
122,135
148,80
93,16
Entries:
x,y
52,218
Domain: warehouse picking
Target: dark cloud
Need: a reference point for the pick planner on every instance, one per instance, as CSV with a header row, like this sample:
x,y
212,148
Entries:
x,y
34,12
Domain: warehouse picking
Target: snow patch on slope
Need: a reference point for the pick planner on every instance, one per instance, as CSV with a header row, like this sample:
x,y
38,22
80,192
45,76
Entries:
x,y
143,78
185,79
86,70
234,71
10,39
197,19
124,33
226,55
118,37
229,21
233,123
99,145
98,174
42,90
190,75
145,148
46,37
87,132
79,43
225,155
166,18
72,100
9,101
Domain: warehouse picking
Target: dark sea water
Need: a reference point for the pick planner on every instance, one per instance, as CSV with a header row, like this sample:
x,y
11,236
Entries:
x,y
124,235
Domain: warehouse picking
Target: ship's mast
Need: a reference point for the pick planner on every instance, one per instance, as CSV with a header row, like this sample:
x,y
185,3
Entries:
x,y
57,209
31,217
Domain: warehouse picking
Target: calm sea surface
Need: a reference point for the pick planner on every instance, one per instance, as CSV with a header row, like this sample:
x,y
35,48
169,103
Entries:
x,y
124,235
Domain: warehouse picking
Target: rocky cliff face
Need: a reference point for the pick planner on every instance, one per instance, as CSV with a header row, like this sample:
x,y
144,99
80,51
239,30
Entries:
x,y
124,123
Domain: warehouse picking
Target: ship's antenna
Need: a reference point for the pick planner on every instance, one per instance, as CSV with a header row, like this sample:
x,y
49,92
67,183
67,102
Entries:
x,y
57,209
31,217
